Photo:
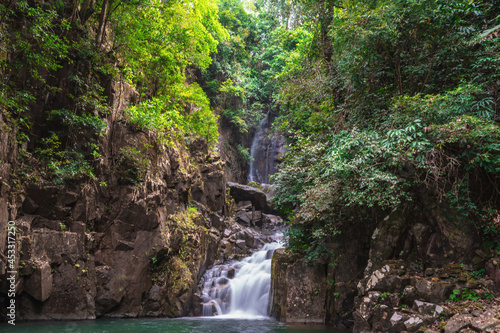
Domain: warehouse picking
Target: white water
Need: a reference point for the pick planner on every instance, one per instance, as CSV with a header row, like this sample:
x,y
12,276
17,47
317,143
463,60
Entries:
x,y
254,152
247,294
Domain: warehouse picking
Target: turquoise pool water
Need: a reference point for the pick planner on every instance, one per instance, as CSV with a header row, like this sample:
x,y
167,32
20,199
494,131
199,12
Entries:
x,y
181,325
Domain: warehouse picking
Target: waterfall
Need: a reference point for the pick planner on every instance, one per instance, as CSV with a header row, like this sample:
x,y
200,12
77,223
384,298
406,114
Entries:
x,y
240,289
265,151
256,153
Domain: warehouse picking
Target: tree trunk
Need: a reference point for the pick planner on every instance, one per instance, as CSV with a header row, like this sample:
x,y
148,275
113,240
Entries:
x,y
102,22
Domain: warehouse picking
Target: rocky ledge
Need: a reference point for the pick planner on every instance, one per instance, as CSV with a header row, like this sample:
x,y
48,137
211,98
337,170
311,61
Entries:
x,y
396,276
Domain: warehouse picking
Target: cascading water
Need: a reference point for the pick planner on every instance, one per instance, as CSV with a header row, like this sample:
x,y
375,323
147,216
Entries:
x,y
255,153
265,151
240,289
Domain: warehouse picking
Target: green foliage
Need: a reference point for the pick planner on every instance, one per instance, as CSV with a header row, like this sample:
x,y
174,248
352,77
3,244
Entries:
x,y
381,102
478,274
255,184
241,76
464,295
161,38
157,50
133,165
184,111
57,57
245,152
61,165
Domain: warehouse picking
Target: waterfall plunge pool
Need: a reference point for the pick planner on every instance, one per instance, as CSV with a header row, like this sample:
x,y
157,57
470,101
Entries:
x,y
180,325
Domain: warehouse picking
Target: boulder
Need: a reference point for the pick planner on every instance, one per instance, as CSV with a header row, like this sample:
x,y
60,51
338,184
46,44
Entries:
x,y
386,240
39,283
231,272
493,271
109,294
433,291
241,192
244,219
413,324
426,308
385,279
271,221
398,321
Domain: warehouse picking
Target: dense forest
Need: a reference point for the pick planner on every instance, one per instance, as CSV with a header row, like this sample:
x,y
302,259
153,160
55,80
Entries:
x,y
379,100
385,105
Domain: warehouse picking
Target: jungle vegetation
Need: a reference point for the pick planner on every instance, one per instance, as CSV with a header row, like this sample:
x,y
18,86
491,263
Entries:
x,y
380,101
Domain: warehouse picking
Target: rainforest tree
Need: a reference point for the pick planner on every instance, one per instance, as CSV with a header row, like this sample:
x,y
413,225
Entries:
x,y
382,101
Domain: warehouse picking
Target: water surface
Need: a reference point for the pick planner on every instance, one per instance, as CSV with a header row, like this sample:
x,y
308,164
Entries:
x,y
181,325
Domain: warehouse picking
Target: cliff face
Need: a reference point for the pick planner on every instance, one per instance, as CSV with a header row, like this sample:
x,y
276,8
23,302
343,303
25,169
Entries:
x,y
394,275
114,247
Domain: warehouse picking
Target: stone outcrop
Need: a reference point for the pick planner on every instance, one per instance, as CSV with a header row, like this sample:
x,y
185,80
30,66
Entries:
x,y
295,298
244,193
123,245
409,272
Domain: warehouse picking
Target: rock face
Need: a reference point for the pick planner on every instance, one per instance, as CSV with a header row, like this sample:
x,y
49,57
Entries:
x,y
394,275
125,247
478,321
295,299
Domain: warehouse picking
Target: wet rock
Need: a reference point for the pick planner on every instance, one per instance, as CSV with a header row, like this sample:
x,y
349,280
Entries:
x,y
247,236
271,222
267,150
